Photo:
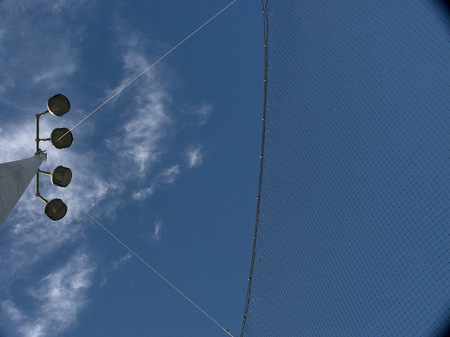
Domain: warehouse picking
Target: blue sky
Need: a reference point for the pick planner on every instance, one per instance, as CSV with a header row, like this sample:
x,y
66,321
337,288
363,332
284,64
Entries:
x,y
170,165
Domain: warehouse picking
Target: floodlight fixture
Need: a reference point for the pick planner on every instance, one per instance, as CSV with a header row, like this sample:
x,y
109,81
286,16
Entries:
x,y
55,209
61,176
58,105
61,138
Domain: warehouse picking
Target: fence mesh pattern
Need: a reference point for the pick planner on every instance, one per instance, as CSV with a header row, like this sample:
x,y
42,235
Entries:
x,y
352,228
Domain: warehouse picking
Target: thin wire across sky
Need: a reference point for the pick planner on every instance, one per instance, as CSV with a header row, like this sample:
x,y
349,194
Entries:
x,y
147,69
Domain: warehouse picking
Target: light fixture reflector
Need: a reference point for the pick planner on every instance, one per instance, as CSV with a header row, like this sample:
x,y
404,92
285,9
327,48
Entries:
x,y
58,105
55,209
61,138
61,176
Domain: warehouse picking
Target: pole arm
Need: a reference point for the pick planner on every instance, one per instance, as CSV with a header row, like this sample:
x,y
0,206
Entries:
x,y
37,134
38,150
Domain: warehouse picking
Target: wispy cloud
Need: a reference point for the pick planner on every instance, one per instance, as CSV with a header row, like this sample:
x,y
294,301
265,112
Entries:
x,y
167,176
147,122
114,266
194,156
59,297
18,144
197,114
157,232
61,65
120,262
143,193
202,112
61,5
62,293
40,51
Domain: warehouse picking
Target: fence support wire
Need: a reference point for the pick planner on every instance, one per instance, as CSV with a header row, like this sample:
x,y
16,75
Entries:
x,y
261,165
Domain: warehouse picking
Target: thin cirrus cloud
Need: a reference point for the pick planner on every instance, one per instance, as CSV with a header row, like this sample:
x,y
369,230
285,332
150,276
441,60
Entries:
x,y
147,123
194,156
63,5
202,113
114,266
149,126
61,66
167,176
58,298
157,230
144,138
47,55
120,262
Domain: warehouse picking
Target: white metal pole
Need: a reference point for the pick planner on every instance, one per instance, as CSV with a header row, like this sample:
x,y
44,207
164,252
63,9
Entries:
x,y
15,176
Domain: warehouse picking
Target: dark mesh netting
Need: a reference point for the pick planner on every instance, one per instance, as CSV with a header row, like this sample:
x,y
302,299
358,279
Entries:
x,y
353,227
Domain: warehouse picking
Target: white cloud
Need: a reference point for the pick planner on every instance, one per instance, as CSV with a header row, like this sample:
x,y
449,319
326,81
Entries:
x,y
147,122
119,263
194,156
144,139
203,113
37,50
197,114
10,309
17,139
60,65
143,193
114,266
59,296
157,232
65,5
168,176
62,292
143,134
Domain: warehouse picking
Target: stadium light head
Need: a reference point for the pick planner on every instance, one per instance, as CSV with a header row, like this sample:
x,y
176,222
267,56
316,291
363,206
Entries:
x,y
61,138
55,209
58,105
61,176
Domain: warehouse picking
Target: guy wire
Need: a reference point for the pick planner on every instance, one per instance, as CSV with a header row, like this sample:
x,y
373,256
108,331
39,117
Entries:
x,y
155,271
147,69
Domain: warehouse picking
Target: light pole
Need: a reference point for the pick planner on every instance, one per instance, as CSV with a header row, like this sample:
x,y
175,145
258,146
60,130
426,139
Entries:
x,y
16,176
